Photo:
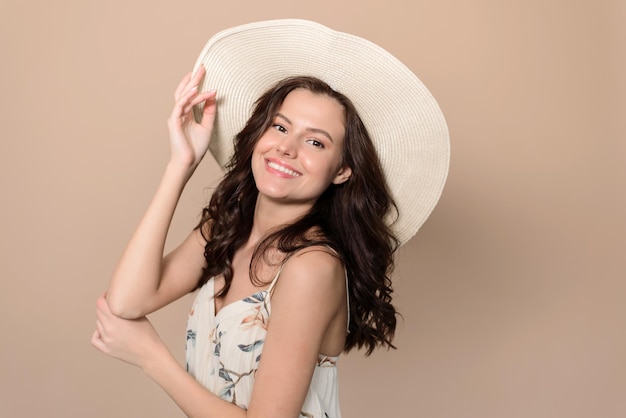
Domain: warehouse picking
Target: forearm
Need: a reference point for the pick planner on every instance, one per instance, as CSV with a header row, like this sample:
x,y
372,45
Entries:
x,y
137,275
191,397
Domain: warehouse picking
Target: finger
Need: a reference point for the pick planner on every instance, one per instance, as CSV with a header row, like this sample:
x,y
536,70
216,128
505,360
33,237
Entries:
x,y
96,341
208,113
203,97
181,106
189,82
196,79
198,75
100,316
182,86
210,103
103,312
100,329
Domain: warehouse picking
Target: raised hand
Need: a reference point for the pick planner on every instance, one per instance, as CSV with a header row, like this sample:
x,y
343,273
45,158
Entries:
x,y
189,140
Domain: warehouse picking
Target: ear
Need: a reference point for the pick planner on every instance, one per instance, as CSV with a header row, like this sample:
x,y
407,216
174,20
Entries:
x,y
343,175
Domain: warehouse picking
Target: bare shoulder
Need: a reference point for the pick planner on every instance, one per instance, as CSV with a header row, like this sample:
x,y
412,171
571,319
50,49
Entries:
x,y
314,272
316,262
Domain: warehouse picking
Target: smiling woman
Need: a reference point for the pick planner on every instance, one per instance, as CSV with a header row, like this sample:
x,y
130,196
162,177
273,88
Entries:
x,y
293,254
298,159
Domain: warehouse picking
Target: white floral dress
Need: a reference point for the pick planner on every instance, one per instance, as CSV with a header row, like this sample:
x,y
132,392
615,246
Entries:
x,y
224,349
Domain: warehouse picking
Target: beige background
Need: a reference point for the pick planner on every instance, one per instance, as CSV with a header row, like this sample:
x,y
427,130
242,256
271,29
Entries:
x,y
512,294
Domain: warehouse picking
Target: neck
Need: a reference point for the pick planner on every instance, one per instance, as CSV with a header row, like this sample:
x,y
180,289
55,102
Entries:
x,y
270,215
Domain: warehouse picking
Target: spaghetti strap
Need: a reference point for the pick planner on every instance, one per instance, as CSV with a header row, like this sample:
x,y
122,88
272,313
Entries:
x,y
275,279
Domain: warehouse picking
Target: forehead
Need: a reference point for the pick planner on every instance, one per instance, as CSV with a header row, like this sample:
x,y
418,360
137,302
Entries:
x,y
312,108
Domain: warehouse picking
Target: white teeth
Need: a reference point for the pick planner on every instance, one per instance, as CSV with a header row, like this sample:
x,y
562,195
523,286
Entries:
x,y
282,169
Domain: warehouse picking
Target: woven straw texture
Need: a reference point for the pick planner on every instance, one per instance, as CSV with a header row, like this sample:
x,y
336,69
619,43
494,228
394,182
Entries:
x,y
402,117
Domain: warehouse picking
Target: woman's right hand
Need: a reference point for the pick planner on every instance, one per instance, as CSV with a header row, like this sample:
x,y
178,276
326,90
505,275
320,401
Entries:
x,y
189,140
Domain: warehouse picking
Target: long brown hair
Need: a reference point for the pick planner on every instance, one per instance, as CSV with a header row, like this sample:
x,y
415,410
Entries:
x,y
349,218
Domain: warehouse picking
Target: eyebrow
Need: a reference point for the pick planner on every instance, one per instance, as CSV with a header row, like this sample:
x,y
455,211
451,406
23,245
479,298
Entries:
x,y
314,130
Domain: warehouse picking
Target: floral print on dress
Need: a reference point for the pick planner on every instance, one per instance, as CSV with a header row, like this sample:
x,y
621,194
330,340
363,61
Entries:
x,y
224,350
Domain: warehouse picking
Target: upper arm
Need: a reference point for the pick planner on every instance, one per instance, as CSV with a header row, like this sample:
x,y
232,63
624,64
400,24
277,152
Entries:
x,y
180,271
306,299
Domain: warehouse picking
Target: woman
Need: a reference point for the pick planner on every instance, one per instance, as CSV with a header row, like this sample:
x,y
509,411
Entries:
x,y
293,253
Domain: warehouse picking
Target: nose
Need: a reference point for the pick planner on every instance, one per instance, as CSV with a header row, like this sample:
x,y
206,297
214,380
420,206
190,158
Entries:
x,y
288,146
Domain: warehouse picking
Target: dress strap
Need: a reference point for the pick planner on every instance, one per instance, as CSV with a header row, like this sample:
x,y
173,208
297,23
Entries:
x,y
275,279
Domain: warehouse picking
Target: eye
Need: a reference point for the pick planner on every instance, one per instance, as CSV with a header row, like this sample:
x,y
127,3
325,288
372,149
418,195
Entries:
x,y
316,143
279,127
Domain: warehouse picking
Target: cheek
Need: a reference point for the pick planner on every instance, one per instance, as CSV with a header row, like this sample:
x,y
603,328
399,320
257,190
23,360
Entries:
x,y
324,169
257,160
262,146
265,142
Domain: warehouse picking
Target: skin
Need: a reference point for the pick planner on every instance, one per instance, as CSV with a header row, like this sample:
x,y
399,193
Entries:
x,y
312,155
306,138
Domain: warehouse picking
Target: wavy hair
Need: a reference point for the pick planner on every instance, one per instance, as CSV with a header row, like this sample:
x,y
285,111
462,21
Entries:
x,y
349,218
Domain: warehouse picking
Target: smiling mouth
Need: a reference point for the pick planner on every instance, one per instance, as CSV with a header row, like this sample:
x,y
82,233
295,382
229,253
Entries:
x,y
282,169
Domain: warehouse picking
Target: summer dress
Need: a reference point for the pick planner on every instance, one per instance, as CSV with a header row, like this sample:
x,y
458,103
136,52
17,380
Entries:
x,y
224,349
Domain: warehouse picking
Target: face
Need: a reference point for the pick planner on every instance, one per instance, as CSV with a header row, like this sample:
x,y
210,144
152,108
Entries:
x,y
300,154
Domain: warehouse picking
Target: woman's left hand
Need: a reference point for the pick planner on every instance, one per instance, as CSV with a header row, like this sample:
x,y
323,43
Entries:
x,y
129,340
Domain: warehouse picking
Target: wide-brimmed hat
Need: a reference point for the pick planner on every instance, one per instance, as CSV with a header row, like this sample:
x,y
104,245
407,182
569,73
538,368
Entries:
x,y
402,117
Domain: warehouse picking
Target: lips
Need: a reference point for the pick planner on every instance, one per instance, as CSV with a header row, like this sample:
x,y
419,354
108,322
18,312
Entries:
x,y
282,169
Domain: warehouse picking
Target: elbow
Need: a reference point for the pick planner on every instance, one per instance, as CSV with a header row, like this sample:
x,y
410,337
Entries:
x,y
123,309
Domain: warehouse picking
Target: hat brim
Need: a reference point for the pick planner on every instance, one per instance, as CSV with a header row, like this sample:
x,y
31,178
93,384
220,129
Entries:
x,y
402,117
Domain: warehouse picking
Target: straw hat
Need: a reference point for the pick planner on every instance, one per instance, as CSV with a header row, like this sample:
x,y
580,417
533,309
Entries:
x,y
401,116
